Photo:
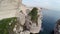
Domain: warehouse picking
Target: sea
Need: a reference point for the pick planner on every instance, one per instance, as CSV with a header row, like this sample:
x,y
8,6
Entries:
x,y
49,21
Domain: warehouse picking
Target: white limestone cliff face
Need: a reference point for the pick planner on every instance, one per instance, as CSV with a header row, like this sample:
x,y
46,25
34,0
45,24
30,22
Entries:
x,y
25,19
8,8
12,8
23,8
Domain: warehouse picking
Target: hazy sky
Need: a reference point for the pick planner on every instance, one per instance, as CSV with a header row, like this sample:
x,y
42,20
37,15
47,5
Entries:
x,y
50,4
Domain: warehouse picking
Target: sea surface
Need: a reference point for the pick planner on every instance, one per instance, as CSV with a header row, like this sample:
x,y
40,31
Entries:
x,y
49,20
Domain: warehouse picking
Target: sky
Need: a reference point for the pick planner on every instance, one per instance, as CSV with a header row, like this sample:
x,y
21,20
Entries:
x,y
49,4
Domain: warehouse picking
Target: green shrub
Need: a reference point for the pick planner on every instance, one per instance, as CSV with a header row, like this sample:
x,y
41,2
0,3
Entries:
x,y
34,14
4,25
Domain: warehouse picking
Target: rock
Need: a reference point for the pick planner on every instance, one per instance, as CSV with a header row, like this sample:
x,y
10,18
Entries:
x,y
25,32
14,29
21,33
9,8
36,28
21,28
25,20
10,23
21,18
15,25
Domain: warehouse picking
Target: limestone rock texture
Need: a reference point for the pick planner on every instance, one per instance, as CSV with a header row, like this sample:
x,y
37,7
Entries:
x,y
9,8
15,8
26,26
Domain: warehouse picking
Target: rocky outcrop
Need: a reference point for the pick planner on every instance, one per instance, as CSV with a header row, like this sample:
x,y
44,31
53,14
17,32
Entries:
x,y
25,24
12,8
57,27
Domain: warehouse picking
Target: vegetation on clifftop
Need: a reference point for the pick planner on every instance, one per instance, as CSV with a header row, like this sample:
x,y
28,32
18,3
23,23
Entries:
x,y
5,28
34,15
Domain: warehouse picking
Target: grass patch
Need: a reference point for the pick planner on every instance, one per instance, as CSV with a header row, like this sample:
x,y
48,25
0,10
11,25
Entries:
x,y
5,28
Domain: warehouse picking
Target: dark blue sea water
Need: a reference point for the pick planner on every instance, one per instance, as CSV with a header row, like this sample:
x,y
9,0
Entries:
x,y
49,20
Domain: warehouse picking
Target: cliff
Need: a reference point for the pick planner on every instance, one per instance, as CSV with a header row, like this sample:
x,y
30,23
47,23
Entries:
x,y
25,24
15,8
9,8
